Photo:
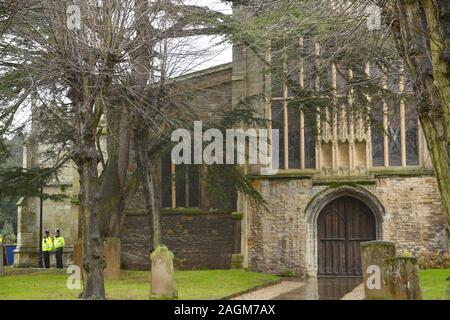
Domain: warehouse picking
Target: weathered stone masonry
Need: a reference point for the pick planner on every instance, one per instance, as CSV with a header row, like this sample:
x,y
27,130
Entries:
x,y
198,241
281,239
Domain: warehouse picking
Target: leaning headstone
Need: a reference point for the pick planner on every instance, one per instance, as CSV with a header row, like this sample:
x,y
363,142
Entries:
x,y
372,255
401,278
163,281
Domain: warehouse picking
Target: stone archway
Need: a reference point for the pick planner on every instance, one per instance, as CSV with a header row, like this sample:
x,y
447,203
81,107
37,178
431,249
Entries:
x,y
320,201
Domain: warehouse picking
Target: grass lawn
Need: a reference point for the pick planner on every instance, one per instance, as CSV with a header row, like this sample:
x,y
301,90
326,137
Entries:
x,y
433,283
205,284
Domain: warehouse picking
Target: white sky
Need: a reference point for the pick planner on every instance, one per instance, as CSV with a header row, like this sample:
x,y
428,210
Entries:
x,y
215,54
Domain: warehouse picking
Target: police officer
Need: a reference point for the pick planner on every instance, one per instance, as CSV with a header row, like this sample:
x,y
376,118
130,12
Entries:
x,y
47,247
58,244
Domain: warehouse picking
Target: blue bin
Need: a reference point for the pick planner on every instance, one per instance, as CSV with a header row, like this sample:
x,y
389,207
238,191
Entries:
x,y
9,248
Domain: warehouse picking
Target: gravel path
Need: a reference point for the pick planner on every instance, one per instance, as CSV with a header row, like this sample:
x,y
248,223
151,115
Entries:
x,y
355,294
271,292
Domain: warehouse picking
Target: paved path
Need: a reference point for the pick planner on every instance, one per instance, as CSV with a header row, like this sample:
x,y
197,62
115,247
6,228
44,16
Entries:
x,y
323,288
355,294
271,292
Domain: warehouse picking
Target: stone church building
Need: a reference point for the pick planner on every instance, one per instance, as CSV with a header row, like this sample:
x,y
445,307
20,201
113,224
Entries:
x,y
333,191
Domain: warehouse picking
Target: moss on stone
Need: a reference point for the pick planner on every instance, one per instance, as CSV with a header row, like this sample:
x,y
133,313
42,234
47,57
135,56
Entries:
x,y
401,172
377,243
237,215
75,200
191,211
285,174
337,181
236,261
164,253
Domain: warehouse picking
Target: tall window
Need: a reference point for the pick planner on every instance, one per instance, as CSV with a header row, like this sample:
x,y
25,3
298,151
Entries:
x,y
180,185
296,138
395,128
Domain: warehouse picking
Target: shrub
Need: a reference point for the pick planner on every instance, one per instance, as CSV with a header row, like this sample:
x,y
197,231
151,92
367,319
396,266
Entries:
x,y
434,260
7,233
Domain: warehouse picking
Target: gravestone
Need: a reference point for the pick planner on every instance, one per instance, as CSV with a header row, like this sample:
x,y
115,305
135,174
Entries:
x,y
163,281
372,255
401,278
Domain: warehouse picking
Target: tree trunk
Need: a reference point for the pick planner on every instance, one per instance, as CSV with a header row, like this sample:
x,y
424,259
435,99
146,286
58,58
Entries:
x,y
87,160
421,29
155,191
149,169
150,179
116,185
438,149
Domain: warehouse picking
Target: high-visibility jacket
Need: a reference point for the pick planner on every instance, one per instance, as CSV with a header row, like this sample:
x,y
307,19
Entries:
x,y
58,242
47,244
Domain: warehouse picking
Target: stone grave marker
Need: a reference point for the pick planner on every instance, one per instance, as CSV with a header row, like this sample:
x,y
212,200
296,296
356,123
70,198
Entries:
x,y
372,255
401,278
163,281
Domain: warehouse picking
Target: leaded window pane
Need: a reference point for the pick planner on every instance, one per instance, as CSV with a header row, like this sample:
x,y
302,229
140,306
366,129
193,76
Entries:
x,y
294,137
310,143
278,123
180,185
395,150
194,185
411,137
309,64
277,72
377,134
166,181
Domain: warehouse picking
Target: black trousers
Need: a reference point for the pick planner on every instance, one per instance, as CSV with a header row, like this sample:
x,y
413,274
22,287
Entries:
x,y
46,255
59,258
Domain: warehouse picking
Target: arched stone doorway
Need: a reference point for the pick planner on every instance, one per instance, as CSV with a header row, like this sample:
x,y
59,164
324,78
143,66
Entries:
x,y
342,225
354,198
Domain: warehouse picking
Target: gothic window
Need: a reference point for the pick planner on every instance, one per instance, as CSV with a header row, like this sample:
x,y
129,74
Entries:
x,y
288,70
394,128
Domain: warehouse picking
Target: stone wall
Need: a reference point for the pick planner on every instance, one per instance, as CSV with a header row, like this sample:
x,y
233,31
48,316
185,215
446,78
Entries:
x,y
282,238
198,241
